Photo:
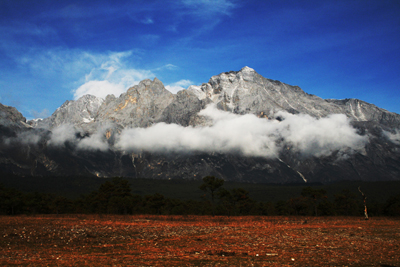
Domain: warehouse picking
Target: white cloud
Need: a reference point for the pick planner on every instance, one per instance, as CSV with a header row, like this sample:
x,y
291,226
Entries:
x,y
99,89
178,86
96,141
87,73
68,133
210,7
229,133
147,21
111,75
206,13
394,137
28,138
167,67
25,138
170,66
62,134
319,137
248,135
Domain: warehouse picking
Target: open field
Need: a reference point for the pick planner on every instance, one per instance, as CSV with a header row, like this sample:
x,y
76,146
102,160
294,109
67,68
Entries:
x,y
142,240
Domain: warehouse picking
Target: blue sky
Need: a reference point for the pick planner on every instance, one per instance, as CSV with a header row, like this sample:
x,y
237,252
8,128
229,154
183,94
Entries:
x,y
52,51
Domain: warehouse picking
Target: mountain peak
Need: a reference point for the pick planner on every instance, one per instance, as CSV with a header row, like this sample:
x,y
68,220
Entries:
x,y
247,69
148,119
140,106
77,112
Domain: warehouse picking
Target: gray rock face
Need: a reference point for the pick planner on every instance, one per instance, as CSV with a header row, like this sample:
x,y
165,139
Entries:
x,y
140,106
239,92
78,113
246,91
362,111
183,109
10,116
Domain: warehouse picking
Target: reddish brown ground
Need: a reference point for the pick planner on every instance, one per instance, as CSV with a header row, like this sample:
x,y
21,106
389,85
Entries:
x,y
86,240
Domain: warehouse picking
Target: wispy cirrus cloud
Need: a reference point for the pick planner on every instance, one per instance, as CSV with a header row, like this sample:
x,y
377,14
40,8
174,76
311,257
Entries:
x,y
112,75
209,7
86,72
80,11
202,16
25,28
99,89
147,20
166,67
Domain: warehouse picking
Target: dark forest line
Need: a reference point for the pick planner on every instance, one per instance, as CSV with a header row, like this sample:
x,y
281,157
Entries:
x,y
72,187
181,197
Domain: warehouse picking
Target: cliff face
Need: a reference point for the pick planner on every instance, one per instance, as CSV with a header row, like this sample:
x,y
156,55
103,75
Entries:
x,y
260,130
140,106
78,113
239,92
11,117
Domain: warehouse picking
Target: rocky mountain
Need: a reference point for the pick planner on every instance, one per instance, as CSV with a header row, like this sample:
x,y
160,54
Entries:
x,y
11,117
239,126
78,113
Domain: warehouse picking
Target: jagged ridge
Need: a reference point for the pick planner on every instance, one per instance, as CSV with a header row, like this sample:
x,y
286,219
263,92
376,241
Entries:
x,y
240,92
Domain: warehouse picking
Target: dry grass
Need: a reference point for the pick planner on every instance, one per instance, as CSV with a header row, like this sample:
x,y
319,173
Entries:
x,y
89,240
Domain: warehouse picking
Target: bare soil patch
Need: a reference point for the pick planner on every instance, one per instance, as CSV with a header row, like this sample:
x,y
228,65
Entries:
x,y
93,240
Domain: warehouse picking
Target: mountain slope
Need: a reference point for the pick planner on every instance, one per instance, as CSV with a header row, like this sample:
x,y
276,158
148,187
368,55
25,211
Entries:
x,y
238,126
140,106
